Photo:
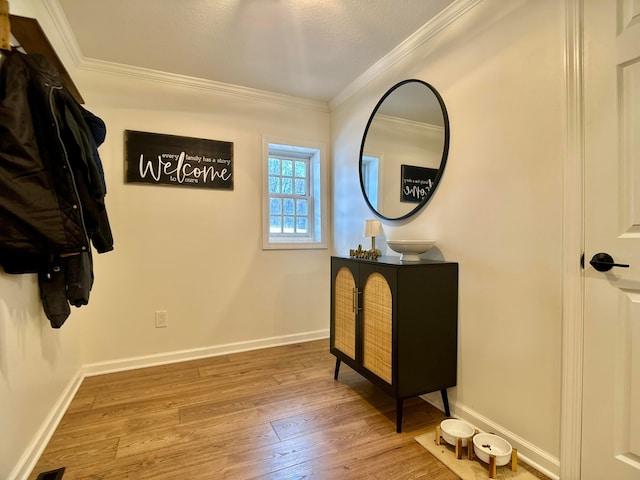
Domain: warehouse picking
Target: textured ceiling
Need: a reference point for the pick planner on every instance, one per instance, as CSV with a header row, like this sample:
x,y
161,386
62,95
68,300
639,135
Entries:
x,y
305,48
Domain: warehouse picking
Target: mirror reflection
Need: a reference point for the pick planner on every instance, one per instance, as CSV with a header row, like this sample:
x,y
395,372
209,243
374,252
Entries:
x,y
404,150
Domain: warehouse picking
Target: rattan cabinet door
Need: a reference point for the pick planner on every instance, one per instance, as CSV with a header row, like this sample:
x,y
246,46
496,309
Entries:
x,y
345,304
377,322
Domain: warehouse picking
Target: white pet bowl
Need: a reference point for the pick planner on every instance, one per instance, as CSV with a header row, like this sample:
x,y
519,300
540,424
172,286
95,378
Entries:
x,y
487,444
410,250
452,429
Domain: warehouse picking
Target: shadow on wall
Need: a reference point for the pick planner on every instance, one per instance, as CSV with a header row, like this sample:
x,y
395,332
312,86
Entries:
x,y
20,315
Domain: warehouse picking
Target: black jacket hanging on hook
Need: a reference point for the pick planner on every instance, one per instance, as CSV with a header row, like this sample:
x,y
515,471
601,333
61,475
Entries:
x,y
52,184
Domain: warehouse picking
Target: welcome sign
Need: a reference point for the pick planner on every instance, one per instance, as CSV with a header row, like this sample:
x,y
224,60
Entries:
x,y
416,182
159,159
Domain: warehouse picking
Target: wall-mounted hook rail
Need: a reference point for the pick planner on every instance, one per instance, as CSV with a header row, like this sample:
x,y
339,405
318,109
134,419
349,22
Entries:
x,y
32,39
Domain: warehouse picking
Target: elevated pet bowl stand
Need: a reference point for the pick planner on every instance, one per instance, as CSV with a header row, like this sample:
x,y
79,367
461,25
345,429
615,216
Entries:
x,y
493,467
458,444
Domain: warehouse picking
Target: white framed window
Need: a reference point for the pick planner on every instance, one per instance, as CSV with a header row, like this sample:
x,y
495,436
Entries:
x,y
294,195
370,176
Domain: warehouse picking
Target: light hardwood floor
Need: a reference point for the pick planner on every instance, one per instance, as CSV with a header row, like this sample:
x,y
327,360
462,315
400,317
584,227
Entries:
x,y
275,414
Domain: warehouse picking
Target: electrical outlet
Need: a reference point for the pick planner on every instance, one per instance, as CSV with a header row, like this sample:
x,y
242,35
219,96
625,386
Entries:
x,y
162,319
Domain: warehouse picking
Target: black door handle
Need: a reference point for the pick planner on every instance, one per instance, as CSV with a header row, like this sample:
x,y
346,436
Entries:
x,y
603,262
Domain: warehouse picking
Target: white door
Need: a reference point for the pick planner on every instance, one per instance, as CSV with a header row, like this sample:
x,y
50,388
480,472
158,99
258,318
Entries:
x,y
611,380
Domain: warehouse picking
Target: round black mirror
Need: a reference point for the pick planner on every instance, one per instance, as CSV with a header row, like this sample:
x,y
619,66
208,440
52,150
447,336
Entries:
x,y
404,150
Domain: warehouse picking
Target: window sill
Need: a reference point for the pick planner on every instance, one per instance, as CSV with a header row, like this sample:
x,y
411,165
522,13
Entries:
x,y
294,246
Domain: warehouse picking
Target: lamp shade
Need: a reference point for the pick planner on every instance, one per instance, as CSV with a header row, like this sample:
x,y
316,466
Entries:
x,y
372,228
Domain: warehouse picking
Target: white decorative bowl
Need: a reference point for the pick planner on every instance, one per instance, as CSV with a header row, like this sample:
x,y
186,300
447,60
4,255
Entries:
x,y
410,250
487,444
452,429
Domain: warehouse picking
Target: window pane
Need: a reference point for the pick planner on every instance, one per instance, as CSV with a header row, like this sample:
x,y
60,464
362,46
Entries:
x,y
275,224
294,218
287,168
288,206
274,166
287,186
274,184
301,169
275,205
301,207
288,224
301,224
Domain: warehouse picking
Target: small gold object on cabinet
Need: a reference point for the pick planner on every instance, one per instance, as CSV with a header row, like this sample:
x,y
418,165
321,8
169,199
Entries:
x,y
367,254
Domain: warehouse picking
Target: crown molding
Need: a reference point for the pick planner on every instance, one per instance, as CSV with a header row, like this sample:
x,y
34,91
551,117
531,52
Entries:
x,y
64,29
156,76
388,121
145,74
449,15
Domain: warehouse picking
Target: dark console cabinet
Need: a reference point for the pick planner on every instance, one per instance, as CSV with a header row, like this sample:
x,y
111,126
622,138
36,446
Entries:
x,y
396,323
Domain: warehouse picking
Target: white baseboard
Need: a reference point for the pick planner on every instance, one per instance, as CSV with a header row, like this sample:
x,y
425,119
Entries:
x,y
530,454
40,440
195,353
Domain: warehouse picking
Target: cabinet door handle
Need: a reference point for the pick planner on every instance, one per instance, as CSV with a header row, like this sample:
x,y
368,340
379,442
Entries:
x,y
356,307
354,300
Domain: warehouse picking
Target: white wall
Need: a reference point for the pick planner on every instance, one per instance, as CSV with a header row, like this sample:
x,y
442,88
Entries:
x,y
497,211
37,364
196,253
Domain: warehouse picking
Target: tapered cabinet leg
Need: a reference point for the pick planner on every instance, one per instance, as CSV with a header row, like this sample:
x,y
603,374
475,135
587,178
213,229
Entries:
x,y
445,401
335,374
399,407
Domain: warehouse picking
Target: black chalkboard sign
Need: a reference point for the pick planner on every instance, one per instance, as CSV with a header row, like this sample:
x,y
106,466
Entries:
x,y
416,182
159,159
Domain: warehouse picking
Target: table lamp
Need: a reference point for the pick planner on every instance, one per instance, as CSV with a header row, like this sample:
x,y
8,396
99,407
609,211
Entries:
x,y
373,229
